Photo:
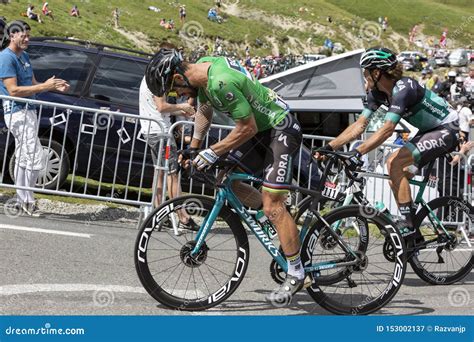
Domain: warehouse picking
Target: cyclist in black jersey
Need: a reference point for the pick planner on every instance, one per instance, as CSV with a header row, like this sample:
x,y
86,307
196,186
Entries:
x,y
435,119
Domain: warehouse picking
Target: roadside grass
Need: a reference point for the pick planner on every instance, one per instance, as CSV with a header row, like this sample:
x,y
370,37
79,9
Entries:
x,y
96,23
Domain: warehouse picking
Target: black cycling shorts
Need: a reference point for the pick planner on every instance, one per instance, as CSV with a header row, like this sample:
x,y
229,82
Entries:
x,y
428,146
270,154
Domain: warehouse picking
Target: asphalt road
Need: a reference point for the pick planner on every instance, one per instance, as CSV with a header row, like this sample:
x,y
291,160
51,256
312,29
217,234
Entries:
x,y
56,266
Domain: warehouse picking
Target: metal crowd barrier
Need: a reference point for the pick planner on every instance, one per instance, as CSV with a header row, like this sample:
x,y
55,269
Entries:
x,y
90,153
306,174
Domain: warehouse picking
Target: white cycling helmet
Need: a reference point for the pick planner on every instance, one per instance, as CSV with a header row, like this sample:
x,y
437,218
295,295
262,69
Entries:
x,y
452,74
459,79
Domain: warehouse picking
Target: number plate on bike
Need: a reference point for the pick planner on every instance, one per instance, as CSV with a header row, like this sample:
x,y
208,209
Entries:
x,y
432,181
331,190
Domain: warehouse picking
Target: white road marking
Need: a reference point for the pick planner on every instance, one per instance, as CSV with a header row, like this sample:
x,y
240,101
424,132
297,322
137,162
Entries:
x,y
47,231
9,290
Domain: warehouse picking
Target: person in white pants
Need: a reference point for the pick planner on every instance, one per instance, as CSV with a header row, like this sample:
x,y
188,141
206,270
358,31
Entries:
x,y
17,80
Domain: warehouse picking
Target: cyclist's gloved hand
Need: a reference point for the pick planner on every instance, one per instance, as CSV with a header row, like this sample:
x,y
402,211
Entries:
x,y
354,161
205,159
187,155
319,153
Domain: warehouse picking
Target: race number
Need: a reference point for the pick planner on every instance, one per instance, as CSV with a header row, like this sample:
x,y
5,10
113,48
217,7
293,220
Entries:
x,y
331,190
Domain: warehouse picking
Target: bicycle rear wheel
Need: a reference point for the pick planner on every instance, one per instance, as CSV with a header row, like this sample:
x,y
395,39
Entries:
x,y
167,270
443,260
371,284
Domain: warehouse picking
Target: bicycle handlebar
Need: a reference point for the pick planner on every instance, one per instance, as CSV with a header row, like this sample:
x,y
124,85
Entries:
x,y
341,157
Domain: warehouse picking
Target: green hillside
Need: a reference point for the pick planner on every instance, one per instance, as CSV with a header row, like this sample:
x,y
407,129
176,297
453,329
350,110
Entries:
x,y
297,26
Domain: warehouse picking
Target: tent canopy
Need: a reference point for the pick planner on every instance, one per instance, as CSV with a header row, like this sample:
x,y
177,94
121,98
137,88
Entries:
x,y
333,84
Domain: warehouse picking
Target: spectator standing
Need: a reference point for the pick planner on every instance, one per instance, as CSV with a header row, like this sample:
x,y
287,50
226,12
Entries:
x,y
444,89
469,82
116,16
159,109
74,12
457,89
32,15
465,118
17,79
182,13
46,11
384,25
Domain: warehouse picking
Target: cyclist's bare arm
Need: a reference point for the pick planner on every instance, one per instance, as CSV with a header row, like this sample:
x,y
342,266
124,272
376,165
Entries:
x,y
202,122
378,138
350,133
244,130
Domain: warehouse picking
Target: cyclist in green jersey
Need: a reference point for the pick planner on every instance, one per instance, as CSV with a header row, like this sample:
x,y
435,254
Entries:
x,y
266,137
436,120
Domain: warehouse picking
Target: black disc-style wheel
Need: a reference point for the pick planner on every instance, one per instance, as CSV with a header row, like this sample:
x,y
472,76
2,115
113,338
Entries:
x,y
170,271
370,283
444,258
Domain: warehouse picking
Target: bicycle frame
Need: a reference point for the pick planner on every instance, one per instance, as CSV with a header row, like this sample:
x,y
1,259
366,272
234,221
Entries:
x,y
350,194
226,194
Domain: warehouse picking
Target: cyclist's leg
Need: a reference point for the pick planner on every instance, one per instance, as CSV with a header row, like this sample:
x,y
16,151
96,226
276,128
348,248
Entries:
x,y
420,150
399,183
251,155
285,140
285,143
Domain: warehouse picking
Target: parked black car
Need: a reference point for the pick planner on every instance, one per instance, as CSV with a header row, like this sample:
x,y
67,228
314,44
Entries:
x,y
101,77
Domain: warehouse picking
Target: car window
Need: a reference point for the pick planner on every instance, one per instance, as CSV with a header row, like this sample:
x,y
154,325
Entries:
x,y
118,80
70,65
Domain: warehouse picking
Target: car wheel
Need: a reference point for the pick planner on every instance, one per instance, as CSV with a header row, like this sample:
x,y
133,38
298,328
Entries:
x,y
55,172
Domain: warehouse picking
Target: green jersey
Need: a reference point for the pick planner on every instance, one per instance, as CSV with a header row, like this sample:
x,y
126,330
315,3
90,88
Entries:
x,y
233,91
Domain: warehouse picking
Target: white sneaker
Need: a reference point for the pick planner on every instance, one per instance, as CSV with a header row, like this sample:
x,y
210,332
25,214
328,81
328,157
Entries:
x,y
31,209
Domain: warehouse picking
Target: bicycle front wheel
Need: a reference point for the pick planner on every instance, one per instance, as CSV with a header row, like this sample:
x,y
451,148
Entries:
x,y
443,259
373,281
164,263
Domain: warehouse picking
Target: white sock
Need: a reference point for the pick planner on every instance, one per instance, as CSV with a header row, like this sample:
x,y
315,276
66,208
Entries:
x,y
20,180
295,267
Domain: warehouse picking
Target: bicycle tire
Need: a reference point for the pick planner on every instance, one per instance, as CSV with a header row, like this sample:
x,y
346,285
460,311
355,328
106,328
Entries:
x,y
174,298
370,303
418,266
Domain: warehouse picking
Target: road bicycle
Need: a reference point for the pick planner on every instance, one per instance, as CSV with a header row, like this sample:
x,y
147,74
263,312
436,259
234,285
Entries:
x,y
445,256
199,270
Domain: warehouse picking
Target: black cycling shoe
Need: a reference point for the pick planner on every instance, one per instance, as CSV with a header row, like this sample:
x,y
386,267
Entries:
x,y
190,225
283,295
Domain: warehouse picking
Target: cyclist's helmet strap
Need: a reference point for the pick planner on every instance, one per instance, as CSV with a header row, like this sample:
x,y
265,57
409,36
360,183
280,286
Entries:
x,y
378,58
161,69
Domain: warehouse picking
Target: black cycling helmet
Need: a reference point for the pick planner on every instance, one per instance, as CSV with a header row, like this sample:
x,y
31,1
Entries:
x,y
159,72
378,58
